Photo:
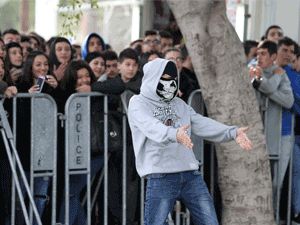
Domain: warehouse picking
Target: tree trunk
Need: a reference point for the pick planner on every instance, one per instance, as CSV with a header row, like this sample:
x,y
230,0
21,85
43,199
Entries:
x,y
220,64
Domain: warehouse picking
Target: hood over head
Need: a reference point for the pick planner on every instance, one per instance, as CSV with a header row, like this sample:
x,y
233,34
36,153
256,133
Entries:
x,y
153,71
84,47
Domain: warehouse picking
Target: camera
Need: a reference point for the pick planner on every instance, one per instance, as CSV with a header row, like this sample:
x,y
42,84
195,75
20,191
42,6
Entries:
x,y
40,82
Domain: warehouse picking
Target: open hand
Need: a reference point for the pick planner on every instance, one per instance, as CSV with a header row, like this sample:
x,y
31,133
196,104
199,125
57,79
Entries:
x,y
242,140
183,137
60,70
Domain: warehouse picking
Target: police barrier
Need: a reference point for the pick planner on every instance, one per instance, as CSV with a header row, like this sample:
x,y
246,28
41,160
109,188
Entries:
x,y
78,154
77,143
77,136
43,154
195,100
80,161
273,136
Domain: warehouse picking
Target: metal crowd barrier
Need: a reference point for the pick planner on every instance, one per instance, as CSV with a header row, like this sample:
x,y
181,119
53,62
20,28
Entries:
x,y
274,157
77,136
77,142
42,159
196,101
77,116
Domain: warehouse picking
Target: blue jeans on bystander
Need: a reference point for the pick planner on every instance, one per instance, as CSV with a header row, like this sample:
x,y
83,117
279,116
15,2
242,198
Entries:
x,y
77,215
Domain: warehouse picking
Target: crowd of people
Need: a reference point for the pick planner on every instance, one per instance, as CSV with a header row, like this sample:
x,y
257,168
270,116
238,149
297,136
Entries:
x,y
274,70
66,68
30,64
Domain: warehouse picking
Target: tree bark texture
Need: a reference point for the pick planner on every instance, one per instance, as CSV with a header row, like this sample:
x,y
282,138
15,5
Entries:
x,y
220,64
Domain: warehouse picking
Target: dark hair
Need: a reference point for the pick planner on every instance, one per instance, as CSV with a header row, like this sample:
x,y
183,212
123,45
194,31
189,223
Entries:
x,y
85,44
286,41
10,31
107,47
1,40
269,45
136,41
96,36
110,55
248,45
92,55
5,77
24,38
184,52
172,50
150,32
297,48
7,59
2,60
76,46
35,34
50,41
41,41
52,56
271,27
35,38
128,53
145,57
27,75
68,82
165,34
99,37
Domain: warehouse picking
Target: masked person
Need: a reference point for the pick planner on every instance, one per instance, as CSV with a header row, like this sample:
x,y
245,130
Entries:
x,y
161,126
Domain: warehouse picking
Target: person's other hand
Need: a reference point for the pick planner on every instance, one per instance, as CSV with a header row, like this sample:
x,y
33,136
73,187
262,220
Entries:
x,y
242,140
51,81
60,70
183,137
84,88
279,71
34,89
179,93
15,74
10,91
255,72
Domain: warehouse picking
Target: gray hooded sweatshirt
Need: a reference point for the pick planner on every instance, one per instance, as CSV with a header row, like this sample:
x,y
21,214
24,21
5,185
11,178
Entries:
x,y
274,93
154,125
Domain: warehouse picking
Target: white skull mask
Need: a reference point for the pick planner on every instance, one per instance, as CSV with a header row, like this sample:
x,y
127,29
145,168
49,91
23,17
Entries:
x,y
167,89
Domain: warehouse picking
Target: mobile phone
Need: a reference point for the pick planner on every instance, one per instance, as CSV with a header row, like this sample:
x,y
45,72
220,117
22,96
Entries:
x,y
40,81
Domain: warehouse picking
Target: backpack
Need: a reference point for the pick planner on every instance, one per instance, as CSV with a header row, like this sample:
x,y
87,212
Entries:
x,y
115,140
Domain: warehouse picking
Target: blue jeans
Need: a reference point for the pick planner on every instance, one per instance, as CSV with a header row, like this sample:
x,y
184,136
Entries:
x,y
296,177
164,189
41,186
77,215
41,197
